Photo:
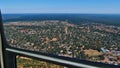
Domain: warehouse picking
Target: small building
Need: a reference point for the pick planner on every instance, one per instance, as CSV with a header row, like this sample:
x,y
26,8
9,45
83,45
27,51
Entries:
x,y
104,50
117,53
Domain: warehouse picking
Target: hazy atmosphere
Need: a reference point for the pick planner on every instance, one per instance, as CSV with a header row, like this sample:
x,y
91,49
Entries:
x,y
60,6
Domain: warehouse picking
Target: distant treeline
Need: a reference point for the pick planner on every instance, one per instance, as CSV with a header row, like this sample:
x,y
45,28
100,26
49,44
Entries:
x,y
112,19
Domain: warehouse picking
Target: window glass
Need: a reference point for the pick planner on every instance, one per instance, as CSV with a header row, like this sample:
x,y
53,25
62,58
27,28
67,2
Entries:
x,y
69,35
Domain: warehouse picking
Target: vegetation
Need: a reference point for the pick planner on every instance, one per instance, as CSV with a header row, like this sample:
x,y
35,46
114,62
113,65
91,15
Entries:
x,y
83,41
23,62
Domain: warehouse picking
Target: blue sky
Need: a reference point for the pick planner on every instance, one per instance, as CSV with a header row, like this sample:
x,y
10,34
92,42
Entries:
x,y
60,6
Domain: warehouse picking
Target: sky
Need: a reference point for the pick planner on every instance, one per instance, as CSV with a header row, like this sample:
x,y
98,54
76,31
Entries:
x,y
60,6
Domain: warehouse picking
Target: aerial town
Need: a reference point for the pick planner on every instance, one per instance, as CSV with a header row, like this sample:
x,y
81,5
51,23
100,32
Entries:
x,y
89,41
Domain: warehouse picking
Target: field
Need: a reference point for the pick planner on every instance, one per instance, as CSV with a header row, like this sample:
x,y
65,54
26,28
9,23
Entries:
x,y
23,62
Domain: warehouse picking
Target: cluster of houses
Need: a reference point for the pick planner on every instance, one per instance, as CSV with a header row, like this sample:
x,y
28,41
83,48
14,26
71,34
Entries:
x,y
111,56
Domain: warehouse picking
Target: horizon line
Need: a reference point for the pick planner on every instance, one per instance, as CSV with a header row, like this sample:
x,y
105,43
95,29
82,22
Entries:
x,y
60,13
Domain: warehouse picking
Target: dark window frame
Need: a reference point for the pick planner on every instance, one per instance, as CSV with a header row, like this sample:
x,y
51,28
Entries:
x,y
8,56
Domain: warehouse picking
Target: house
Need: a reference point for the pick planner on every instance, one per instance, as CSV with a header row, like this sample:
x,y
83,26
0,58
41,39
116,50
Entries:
x,y
104,50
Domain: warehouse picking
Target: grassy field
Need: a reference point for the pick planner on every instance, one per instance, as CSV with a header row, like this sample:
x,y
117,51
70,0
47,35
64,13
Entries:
x,y
23,62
